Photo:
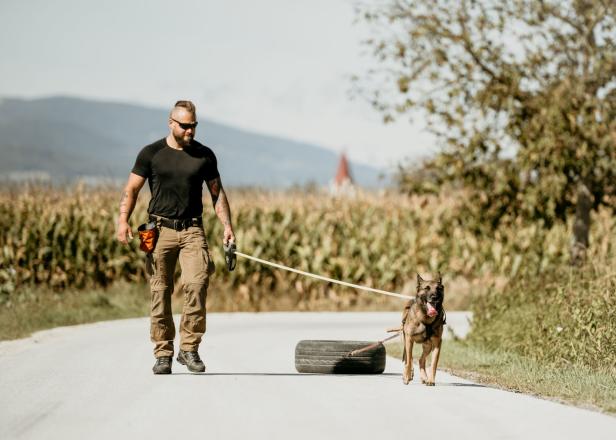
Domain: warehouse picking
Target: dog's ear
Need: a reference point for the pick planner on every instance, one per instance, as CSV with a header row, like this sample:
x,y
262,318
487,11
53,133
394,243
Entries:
x,y
419,280
440,278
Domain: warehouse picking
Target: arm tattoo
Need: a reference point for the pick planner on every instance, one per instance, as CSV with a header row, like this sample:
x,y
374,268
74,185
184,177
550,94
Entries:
x,y
127,204
222,209
219,199
215,186
123,204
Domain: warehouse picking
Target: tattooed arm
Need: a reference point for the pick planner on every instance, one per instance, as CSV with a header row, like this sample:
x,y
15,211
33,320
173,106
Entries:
x,y
221,206
127,205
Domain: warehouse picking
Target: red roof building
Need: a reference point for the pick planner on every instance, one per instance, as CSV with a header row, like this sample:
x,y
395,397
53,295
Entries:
x,y
343,174
343,181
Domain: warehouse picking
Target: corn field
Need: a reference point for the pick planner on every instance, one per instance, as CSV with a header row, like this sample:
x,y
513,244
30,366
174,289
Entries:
x,y
65,237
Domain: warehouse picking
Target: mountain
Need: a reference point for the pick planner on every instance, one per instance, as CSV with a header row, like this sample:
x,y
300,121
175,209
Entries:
x,y
67,138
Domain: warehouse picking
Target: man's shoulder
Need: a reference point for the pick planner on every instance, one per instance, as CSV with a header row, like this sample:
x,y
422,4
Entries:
x,y
154,146
143,164
201,150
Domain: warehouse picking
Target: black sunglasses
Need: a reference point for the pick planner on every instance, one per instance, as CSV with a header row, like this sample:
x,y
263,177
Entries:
x,y
186,125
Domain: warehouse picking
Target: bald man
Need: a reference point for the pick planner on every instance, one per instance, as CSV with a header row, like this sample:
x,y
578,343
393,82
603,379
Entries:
x,y
176,167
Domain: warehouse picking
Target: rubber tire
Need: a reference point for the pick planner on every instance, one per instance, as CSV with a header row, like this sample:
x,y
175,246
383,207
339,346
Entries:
x,y
331,357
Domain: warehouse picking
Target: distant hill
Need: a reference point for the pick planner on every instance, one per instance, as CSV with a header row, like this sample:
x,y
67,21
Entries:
x,y
68,138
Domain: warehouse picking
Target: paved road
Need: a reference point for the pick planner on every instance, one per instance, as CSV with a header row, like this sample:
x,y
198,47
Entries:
x,y
94,382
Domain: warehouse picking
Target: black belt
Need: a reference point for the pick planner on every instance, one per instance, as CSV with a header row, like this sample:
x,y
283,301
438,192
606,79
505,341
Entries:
x,y
177,223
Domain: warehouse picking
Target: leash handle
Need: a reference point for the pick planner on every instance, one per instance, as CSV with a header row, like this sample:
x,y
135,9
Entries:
x,y
230,257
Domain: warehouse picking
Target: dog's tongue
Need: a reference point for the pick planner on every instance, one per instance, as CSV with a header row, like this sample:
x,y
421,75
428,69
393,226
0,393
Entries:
x,y
431,310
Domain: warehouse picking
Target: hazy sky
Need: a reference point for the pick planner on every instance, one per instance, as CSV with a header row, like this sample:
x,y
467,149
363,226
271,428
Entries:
x,y
279,67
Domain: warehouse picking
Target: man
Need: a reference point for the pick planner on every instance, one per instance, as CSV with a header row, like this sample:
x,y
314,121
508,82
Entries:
x,y
176,167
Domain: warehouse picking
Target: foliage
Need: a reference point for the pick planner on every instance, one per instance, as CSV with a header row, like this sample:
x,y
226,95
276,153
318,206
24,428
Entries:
x,y
564,317
65,238
522,95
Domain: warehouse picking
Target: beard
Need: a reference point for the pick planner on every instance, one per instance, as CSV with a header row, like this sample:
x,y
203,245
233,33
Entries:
x,y
184,139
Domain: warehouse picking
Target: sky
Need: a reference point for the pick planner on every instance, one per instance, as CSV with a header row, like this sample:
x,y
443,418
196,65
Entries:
x,y
277,67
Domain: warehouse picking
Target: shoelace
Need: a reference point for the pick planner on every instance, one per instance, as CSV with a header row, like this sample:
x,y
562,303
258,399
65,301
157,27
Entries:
x,y
192,356
162,360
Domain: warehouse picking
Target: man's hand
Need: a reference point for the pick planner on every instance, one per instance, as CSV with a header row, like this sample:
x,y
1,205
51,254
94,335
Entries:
x,y
228,236
124,230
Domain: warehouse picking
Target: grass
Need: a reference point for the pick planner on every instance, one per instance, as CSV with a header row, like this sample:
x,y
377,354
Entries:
x,y
37,309
33,309
576,385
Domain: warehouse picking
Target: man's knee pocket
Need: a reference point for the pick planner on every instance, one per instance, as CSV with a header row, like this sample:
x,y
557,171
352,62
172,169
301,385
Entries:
x,y
199,271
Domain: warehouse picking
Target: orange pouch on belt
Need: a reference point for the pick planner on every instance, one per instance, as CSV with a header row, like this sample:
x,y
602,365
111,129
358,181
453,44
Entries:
x,y
148,234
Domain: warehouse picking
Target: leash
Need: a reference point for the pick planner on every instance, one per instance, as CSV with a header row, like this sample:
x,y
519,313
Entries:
x,y
371,346
233,251
230,257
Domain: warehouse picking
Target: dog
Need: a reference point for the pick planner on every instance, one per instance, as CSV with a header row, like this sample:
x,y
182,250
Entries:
x,y
423,319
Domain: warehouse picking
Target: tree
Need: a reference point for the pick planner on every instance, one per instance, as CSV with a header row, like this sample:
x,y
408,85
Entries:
x,y
521,95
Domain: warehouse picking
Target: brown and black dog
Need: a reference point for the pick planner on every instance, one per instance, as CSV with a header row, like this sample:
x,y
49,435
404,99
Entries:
x,y
422,322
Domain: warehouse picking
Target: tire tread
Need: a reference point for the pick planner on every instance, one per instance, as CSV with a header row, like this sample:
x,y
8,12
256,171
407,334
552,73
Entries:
x,y
330,356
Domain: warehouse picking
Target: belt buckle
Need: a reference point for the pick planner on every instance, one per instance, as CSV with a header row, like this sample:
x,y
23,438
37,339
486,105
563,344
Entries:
x,y
176,224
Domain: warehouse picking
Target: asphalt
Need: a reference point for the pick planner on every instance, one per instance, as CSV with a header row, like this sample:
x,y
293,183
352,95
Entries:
x,y
95,382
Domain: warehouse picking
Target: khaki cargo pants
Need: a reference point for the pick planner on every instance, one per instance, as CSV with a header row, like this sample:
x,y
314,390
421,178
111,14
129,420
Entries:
x,y
190,246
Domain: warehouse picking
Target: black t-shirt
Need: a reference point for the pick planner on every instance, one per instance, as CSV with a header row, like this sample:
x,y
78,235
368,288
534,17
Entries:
x,y
176,177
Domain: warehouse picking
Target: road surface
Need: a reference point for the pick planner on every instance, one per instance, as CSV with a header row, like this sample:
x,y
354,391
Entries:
x,y
95,382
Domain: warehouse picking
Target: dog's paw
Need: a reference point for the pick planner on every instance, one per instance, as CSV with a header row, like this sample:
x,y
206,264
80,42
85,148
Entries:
x,y
429,383
407,375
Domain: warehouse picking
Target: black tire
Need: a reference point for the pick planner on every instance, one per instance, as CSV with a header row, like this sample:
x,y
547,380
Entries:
x,y
333,357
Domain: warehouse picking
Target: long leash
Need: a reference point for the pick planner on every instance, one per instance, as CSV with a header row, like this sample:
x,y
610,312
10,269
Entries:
x,y
320,277
232,251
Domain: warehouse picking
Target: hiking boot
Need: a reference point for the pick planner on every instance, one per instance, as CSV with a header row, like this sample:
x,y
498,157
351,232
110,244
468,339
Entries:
x,y
192,360
162,365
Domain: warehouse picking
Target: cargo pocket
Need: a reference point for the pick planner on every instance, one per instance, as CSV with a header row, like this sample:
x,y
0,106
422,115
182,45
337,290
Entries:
x,y
211,267
150,264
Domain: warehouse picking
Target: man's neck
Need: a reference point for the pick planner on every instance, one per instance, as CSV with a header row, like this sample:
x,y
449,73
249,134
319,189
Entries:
x,y
173,143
